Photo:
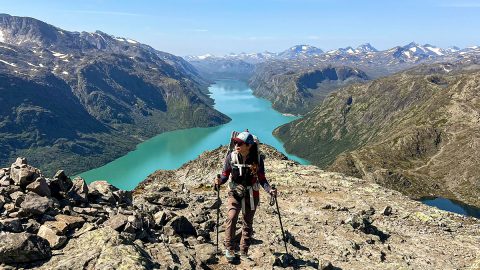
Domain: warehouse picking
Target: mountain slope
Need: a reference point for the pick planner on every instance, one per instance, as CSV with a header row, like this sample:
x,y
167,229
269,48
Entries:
x,y
90,97
294,90
413,132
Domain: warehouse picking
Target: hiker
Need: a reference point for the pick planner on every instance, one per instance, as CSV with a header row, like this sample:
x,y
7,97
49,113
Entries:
x,y
244,165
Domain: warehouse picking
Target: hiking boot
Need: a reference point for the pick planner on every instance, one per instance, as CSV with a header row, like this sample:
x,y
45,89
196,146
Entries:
x,y
229,255
246,260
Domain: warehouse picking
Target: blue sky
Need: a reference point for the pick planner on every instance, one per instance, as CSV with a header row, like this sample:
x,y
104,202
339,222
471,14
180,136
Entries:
x,y
194,27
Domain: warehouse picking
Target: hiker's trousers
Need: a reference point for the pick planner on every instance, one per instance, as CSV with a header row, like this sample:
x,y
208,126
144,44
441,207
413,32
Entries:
x,y
234,207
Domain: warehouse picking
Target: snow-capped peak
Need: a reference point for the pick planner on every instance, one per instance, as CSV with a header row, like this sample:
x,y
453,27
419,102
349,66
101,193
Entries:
x,y
366,48
453,49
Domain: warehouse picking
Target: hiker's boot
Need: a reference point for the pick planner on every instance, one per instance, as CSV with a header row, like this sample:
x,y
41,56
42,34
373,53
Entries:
x,y
246,260
229,255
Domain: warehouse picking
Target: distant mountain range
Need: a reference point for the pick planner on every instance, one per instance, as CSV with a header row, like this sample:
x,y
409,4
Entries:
x,y
275,75
410,52
89,97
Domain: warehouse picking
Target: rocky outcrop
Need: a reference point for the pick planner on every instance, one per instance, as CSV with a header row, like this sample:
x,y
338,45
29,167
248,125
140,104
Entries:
x,y
414,132
332,221
344,223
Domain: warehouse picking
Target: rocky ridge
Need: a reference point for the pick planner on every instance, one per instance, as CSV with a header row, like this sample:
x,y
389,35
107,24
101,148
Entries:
x,y
77,100
332,222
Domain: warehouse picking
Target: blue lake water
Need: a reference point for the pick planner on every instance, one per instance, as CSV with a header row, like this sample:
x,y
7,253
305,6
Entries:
x,y
453,206
170,150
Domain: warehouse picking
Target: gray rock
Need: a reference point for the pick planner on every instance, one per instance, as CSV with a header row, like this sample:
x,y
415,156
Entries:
x,y
23,248
103,248
60,184
205,253
117,222
160,218
3,200
35,205
53,235
172,201
71,221
10,225
182,226
123,196
17,197
32,226
79,191
21,161
102,191
22,174
387,211
40,187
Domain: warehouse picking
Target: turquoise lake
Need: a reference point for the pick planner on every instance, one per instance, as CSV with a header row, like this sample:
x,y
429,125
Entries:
x,y
172,149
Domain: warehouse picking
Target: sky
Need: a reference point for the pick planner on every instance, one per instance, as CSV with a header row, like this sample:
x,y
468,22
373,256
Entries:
x,y
197,27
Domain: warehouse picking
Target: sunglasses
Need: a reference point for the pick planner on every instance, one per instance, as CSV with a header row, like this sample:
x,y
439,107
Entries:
x,y
239,143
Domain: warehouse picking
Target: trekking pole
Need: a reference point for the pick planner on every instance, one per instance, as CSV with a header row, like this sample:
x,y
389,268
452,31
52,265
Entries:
x,y
275,201
217,188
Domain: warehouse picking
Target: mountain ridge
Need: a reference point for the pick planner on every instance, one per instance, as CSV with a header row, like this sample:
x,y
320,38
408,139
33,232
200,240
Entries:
x,y
126,92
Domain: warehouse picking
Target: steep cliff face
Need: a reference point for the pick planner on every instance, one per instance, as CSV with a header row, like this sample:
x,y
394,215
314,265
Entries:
x,y
296,90
330,220
90,97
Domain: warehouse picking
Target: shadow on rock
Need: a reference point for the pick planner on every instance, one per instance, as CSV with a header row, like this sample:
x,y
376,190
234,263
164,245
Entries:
x,y
291,239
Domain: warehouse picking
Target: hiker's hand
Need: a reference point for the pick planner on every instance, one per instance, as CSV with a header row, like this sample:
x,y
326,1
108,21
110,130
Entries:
x,y
273,192
217,181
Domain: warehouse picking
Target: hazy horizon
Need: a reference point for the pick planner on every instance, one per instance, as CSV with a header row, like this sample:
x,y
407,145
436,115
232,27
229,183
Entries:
x,y
198,27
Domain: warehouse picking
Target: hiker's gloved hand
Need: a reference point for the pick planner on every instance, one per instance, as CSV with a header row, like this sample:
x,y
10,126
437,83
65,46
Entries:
x,y
273,192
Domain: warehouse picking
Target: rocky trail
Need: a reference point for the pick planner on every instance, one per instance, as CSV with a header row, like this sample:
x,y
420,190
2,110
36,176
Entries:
x,y
168,222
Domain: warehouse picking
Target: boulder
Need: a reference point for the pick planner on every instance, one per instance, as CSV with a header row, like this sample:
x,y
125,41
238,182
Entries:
x,y
172,201
17,197
40,187
102,191
72,222
123,196
205,253
117,222
160,218
32,226
182,226
53,235
79,191
10,225
23,248
60,184
34,204
22,174
103,248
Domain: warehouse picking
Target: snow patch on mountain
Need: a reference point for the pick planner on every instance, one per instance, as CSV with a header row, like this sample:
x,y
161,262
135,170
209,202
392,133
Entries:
x,y
435,50
8,63
2,37
8,48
